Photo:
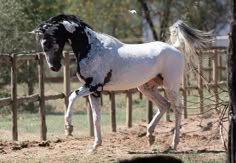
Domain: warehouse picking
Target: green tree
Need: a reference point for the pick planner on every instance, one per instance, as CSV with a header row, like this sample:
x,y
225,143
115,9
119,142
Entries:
x,y
201,14
17,18
107,16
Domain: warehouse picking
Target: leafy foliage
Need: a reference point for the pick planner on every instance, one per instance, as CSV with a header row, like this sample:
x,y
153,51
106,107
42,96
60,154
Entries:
x,y
18,17
107,16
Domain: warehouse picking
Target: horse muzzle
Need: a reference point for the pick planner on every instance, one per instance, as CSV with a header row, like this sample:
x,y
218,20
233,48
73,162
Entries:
x,y
55,68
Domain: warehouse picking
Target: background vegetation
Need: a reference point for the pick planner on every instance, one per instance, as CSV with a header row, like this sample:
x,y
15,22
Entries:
x,y
21,16
18,17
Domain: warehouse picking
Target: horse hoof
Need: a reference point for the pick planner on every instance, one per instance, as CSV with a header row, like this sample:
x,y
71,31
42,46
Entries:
x,y
168,149
68,130
174,144
151,140
93,148
173,147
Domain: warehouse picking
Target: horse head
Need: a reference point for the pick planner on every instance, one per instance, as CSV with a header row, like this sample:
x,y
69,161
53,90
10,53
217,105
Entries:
x,y
53,34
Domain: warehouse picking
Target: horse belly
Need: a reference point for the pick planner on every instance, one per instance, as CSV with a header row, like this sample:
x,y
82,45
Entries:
x,y
118,86
141,64
131,77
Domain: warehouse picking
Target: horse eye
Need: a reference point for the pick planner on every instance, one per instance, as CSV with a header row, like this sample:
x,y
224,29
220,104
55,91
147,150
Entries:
x,y
45,43
45,49
45,46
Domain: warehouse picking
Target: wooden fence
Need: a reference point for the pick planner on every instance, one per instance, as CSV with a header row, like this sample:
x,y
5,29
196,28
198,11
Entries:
x,y
216,66
40,97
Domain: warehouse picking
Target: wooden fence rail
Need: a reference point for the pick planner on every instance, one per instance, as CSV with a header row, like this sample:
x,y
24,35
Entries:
x,y
217,66
41,97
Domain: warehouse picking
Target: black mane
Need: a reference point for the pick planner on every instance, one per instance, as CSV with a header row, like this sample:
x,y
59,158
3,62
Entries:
x,y
80,43
64,17
78,39
61,17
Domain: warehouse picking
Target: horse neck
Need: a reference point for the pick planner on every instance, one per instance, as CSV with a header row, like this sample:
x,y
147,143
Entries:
x,y
80,43
85,39
102,40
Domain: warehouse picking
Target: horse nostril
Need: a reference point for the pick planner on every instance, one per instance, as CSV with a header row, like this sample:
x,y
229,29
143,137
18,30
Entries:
x,y
53,69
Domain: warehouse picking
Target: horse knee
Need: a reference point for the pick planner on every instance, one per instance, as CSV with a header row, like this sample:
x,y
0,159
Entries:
x,y
174,97
96,122
179,107
68,118
72,97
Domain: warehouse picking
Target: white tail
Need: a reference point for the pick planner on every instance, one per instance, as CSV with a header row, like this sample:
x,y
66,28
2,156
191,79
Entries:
x,y
188,39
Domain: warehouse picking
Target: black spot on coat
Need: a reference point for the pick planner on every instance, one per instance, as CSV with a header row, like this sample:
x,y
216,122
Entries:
x,y
108,77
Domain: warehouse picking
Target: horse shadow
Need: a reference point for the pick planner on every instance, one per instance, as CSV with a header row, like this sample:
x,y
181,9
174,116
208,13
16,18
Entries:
x,y
152,159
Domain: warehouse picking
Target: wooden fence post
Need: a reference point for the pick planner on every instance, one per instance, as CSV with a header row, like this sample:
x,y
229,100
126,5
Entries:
x,y
184,89
140,95
149,111
101,100
215,77
42,113
113,112
188,83
220,70
129,109
200,84
90,117
66,78
14,98
209,70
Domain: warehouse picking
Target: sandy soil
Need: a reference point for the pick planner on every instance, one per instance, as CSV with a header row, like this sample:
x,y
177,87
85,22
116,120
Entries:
x,y
198,134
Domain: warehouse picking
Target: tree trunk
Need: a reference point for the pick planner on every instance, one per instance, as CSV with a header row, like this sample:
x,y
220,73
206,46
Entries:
x,y
231,155
148,18
165,20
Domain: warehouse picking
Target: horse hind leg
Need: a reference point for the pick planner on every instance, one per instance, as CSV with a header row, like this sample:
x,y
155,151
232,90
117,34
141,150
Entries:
x,y
150,90
175,100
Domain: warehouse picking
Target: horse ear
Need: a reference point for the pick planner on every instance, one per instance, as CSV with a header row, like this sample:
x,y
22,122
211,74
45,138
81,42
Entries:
x,y
36,31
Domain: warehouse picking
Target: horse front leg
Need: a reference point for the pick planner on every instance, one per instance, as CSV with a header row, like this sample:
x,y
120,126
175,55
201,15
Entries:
x,y
95,106
82,91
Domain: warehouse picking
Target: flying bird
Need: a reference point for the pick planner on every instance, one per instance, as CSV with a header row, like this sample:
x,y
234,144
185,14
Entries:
x,y
132,11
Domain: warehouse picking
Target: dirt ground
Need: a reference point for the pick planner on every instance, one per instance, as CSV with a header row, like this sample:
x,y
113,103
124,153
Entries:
x,y
197,134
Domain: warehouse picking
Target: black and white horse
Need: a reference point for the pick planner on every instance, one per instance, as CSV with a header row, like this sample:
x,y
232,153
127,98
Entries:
x,y
105,63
